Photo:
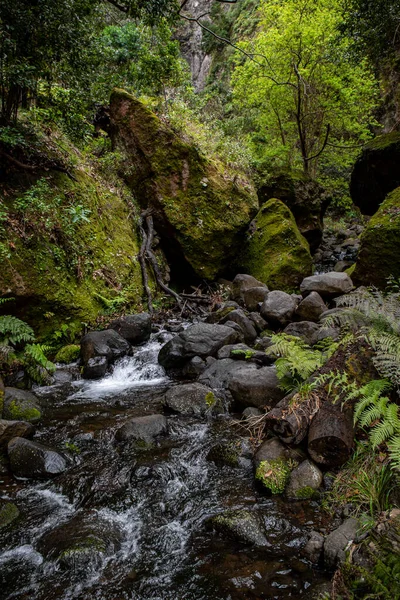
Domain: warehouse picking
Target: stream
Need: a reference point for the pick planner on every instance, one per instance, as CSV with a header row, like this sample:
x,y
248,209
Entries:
x,y
131,522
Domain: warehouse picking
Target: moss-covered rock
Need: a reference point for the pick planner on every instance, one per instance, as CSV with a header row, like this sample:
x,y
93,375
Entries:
x,y
305,197
275,252
200,207
380,245
8,513
20,405
376,172
68,354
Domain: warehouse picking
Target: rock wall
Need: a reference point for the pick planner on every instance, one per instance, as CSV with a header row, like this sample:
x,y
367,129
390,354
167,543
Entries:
x,y
190,36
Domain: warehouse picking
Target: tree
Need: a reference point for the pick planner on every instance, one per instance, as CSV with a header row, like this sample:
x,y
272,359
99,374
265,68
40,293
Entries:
x,y
305,101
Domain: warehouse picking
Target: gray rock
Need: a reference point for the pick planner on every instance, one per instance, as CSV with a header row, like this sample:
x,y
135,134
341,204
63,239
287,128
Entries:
x,y
256,387
106,343
245,324
219,373
313,549
136,329
338,540
241,525
225,351
95,368
341,266
306,330
278,309
328,285
202,339
222,312
243,282
273,449
237,328
190,399
21,405
30,459
251,411
303,480
311,308
8,513
145,428
252,297
12,429
259,323
232,453
193,368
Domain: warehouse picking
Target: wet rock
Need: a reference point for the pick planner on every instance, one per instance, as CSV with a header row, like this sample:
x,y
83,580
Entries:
x,y
8,513
190,399
245,324
194,368
278,309
220,372
95,368
273,449
306,330
136,329
253,297
259,323
145,428
311,308
107,343
202,339
241,525
242,283
30,459
20,405
57,392
328,285
233,453
11,429
222,312
256,387
312,551
304,480
337,541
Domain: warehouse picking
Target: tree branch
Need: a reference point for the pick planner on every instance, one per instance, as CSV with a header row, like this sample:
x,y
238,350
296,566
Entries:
x,y
328,130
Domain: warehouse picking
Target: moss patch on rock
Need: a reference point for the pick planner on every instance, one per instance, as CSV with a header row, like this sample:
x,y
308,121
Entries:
x,y
8,513
68,354
380,245
276,253
201,207
274,474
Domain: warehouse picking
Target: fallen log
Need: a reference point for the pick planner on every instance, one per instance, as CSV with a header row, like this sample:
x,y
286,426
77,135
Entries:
x,y
331,435
290,418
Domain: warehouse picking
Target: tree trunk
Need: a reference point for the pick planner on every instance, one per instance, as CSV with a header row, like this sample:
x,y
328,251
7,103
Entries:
x,y
289,425
331,435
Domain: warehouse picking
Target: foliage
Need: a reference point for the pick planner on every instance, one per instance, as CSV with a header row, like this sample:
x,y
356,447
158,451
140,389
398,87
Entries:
x,y
274,474
305,101
244,354
35,362
13,331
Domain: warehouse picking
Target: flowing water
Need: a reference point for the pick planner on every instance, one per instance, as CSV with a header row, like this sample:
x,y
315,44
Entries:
x,y
130,522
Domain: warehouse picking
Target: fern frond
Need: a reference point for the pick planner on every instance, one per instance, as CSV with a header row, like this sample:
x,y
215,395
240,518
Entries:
x,y
14,331
374,412
394,451
381,433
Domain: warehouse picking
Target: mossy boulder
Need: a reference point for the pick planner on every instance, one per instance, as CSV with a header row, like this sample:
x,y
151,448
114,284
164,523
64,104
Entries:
x,y
376,172
380,245
68,354
8,513
275,252
305,197
201,208
63,271
21,405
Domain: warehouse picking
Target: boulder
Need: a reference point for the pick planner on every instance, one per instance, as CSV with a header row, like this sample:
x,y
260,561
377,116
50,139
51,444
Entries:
x,y
380,245
306,199
32,460
246,325
68,354
337,541
304,480
194,368
242,283
21,405
273,449
253,297
311,308
259,387
12,429
8,513
306,330
328,285
106,343
259,323
222,311
314,547
136,329
190,399
276,253
218,374
95,368
376,172
201,339
145,429
241,525
232,453
200,207
279,308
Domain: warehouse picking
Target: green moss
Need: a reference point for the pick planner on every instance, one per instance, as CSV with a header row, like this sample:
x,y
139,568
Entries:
x,y
210,399
378,258
274,474
384,141
276,253
244,354
227,453
22,412
351,270
8,513
68,354
305,493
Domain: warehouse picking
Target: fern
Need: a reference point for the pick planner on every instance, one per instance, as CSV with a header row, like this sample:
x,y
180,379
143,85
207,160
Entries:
x,y
13,331
37,365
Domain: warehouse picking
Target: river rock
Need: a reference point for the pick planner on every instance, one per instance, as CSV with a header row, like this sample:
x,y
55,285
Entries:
x,y
304,480
279,307
21,405
30,459
306,330
313,549
201,339
95,368
241,525
145,428
259,323
136,329
328,285
222,312
337,541
106,343
8,513
254,297
246,325
259,387
232,453
242,283
193,368
11,429
190,399
311,308
273,449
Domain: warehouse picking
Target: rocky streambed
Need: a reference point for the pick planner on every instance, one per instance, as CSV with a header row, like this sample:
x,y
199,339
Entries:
x,y
167,513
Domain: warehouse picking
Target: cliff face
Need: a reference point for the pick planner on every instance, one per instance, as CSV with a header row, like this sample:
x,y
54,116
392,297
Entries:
x,y
190,36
